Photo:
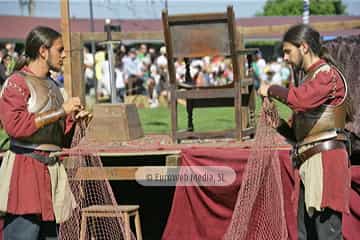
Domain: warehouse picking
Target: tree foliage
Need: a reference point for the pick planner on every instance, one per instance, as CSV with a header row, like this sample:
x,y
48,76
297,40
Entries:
x,y
295,7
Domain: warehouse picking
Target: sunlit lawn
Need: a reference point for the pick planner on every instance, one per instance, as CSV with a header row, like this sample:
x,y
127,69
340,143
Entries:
x,y
157,120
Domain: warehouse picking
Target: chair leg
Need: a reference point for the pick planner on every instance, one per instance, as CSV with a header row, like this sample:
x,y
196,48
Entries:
x,y
189,109
127,226
174,122
138,226
83,227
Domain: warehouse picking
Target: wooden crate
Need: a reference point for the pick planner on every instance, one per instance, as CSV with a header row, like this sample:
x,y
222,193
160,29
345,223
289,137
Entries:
x,y
114,122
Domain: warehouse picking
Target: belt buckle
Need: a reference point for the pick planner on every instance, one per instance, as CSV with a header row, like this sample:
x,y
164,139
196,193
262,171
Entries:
x,y
295,157
52,160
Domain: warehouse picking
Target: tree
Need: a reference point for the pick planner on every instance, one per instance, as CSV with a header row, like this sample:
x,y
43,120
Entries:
x,y
295,7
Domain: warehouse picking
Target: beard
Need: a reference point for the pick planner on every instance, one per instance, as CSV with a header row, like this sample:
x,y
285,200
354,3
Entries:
x,y
298,67
52,66
298,72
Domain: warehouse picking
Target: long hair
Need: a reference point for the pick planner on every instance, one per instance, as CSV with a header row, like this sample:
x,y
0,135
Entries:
x,y
39,36
300,33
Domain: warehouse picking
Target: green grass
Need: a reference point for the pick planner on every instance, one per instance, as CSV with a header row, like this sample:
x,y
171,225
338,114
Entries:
x,y
157,120
4,140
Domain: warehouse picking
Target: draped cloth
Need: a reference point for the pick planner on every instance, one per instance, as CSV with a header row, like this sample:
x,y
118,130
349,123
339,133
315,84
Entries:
x,y
205,212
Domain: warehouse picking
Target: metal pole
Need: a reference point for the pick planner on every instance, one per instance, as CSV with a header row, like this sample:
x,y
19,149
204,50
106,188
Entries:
x,y
306,11
110,53
93,49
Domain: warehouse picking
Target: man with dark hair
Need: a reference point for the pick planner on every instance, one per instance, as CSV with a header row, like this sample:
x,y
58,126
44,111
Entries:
x,y
34,192
321,107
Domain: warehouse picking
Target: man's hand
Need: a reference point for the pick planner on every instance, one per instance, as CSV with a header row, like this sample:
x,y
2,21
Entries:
x,y
84,115
72,105
263,89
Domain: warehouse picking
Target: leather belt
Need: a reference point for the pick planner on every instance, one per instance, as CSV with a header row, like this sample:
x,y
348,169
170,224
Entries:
x,y
47,160
300,158
41,147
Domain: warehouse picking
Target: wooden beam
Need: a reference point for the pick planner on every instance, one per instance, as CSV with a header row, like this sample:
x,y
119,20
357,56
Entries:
x,y
117,36
121,173
77,67
145,153
281,29
106,173
73,67
173,160
246,31
332,26
66,36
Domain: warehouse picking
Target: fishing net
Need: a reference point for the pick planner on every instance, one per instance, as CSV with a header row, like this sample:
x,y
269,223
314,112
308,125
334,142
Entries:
x,y
89,194
259,210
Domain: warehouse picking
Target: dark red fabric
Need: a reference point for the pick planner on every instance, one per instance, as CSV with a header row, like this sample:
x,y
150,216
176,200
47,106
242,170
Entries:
x,y
314,92
205,212
1,228
15,118
290,194
30,185
30,189
336,180
1,220
351,222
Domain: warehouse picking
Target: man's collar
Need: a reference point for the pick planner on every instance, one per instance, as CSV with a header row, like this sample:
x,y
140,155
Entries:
x,y
316,65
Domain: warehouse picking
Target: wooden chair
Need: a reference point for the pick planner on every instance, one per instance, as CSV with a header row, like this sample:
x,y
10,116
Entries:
x,y
197,35
125,211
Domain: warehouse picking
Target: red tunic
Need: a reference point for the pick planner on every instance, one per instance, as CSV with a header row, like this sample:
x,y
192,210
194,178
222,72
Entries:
x,y
30,185
309,95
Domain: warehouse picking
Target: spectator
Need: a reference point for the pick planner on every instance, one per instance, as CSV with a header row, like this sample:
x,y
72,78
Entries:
x,y
259,69
89,75
10,47
133,73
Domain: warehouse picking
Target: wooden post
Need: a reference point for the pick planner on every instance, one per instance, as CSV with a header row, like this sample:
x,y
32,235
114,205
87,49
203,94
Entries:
x,y
243,89
66,36
236,69
77,67
172,73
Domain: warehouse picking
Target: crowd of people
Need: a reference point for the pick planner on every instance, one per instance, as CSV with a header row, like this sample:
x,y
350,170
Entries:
x,y
143,70
8,58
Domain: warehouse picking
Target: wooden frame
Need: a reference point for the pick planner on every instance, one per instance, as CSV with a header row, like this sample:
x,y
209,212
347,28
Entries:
x,y
74,85
112,211
199,35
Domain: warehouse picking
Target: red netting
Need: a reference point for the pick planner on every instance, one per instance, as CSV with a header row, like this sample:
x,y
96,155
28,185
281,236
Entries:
x,y
89,194
259,210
